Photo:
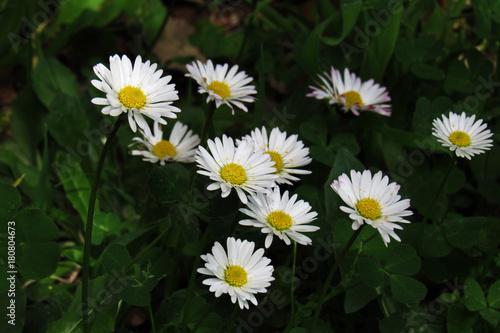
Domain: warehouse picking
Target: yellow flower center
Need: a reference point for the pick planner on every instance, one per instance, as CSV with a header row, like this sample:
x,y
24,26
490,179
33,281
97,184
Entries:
x,y
233,173
164,148
235,276
276,157
220,88
132,97
459,138
279,220
369,208
352,97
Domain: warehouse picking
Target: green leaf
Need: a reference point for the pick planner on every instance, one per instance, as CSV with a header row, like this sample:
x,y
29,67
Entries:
x,y
474,296
75,183
395,323
310,51
459,320
37,252
407,290
182,216
463,232
491,316
105,224
427,72
65,110
403,259
169,183
358,297
370,272
71,10
350,12
114,258
153,20
9,202
136,294
314,131
494,295
433,241
51,78
482,18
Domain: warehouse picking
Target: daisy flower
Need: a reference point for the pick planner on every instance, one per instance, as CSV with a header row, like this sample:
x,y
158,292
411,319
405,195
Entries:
x,y
374,201
240,168
241,272
136,90
281,216
351,93
222,86
180,147
462,135
287,153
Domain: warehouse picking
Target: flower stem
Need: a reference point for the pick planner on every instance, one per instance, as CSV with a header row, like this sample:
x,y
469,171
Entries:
x,y
208,121
153,328
90,222
292,287
441,187
332,273
233,318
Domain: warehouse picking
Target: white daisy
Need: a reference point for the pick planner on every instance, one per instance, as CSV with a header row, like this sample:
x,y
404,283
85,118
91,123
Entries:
x,y
351,93
240,168
136,90
180,147
287,153
374,201
241,272
281,216
462,135
222,86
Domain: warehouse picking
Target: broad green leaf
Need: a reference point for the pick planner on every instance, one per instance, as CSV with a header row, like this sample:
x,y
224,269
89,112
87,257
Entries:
x,y
482,18
463,232
474,296
407,290
37,252
491,316
115,258
310,51
169,183
350,12
459,320
403,259
494,295
51,78
459,79
136,294
433,242
427,72
370,272
9,202
75,183
71,10
153,20
395,323
314,131
182,216
358,297
105,224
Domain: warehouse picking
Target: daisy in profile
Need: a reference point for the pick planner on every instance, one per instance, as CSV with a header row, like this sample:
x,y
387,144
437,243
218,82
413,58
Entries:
x,y
241,272
239,168
280,216
180,147
288,154
373,201
462,134
351,93
223,87
137,90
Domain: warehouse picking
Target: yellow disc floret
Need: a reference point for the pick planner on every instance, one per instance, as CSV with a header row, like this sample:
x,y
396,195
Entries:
x,y
132,97
352,97
279,220
459,138
233,173
164,148
220,88
276,157
235,276
369,208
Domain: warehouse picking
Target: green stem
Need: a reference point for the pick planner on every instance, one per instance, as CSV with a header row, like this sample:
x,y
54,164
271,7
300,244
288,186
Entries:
x,y
208,121
90,222
153,328
332,273
247,31
443,183
150,245
233,318
292,287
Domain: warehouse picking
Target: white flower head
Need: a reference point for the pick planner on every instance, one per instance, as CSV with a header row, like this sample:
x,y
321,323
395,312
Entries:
x,y
223,87
137,90
180,147
351,93
462,135
281,216
288,154
374,201
240,168
241,272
